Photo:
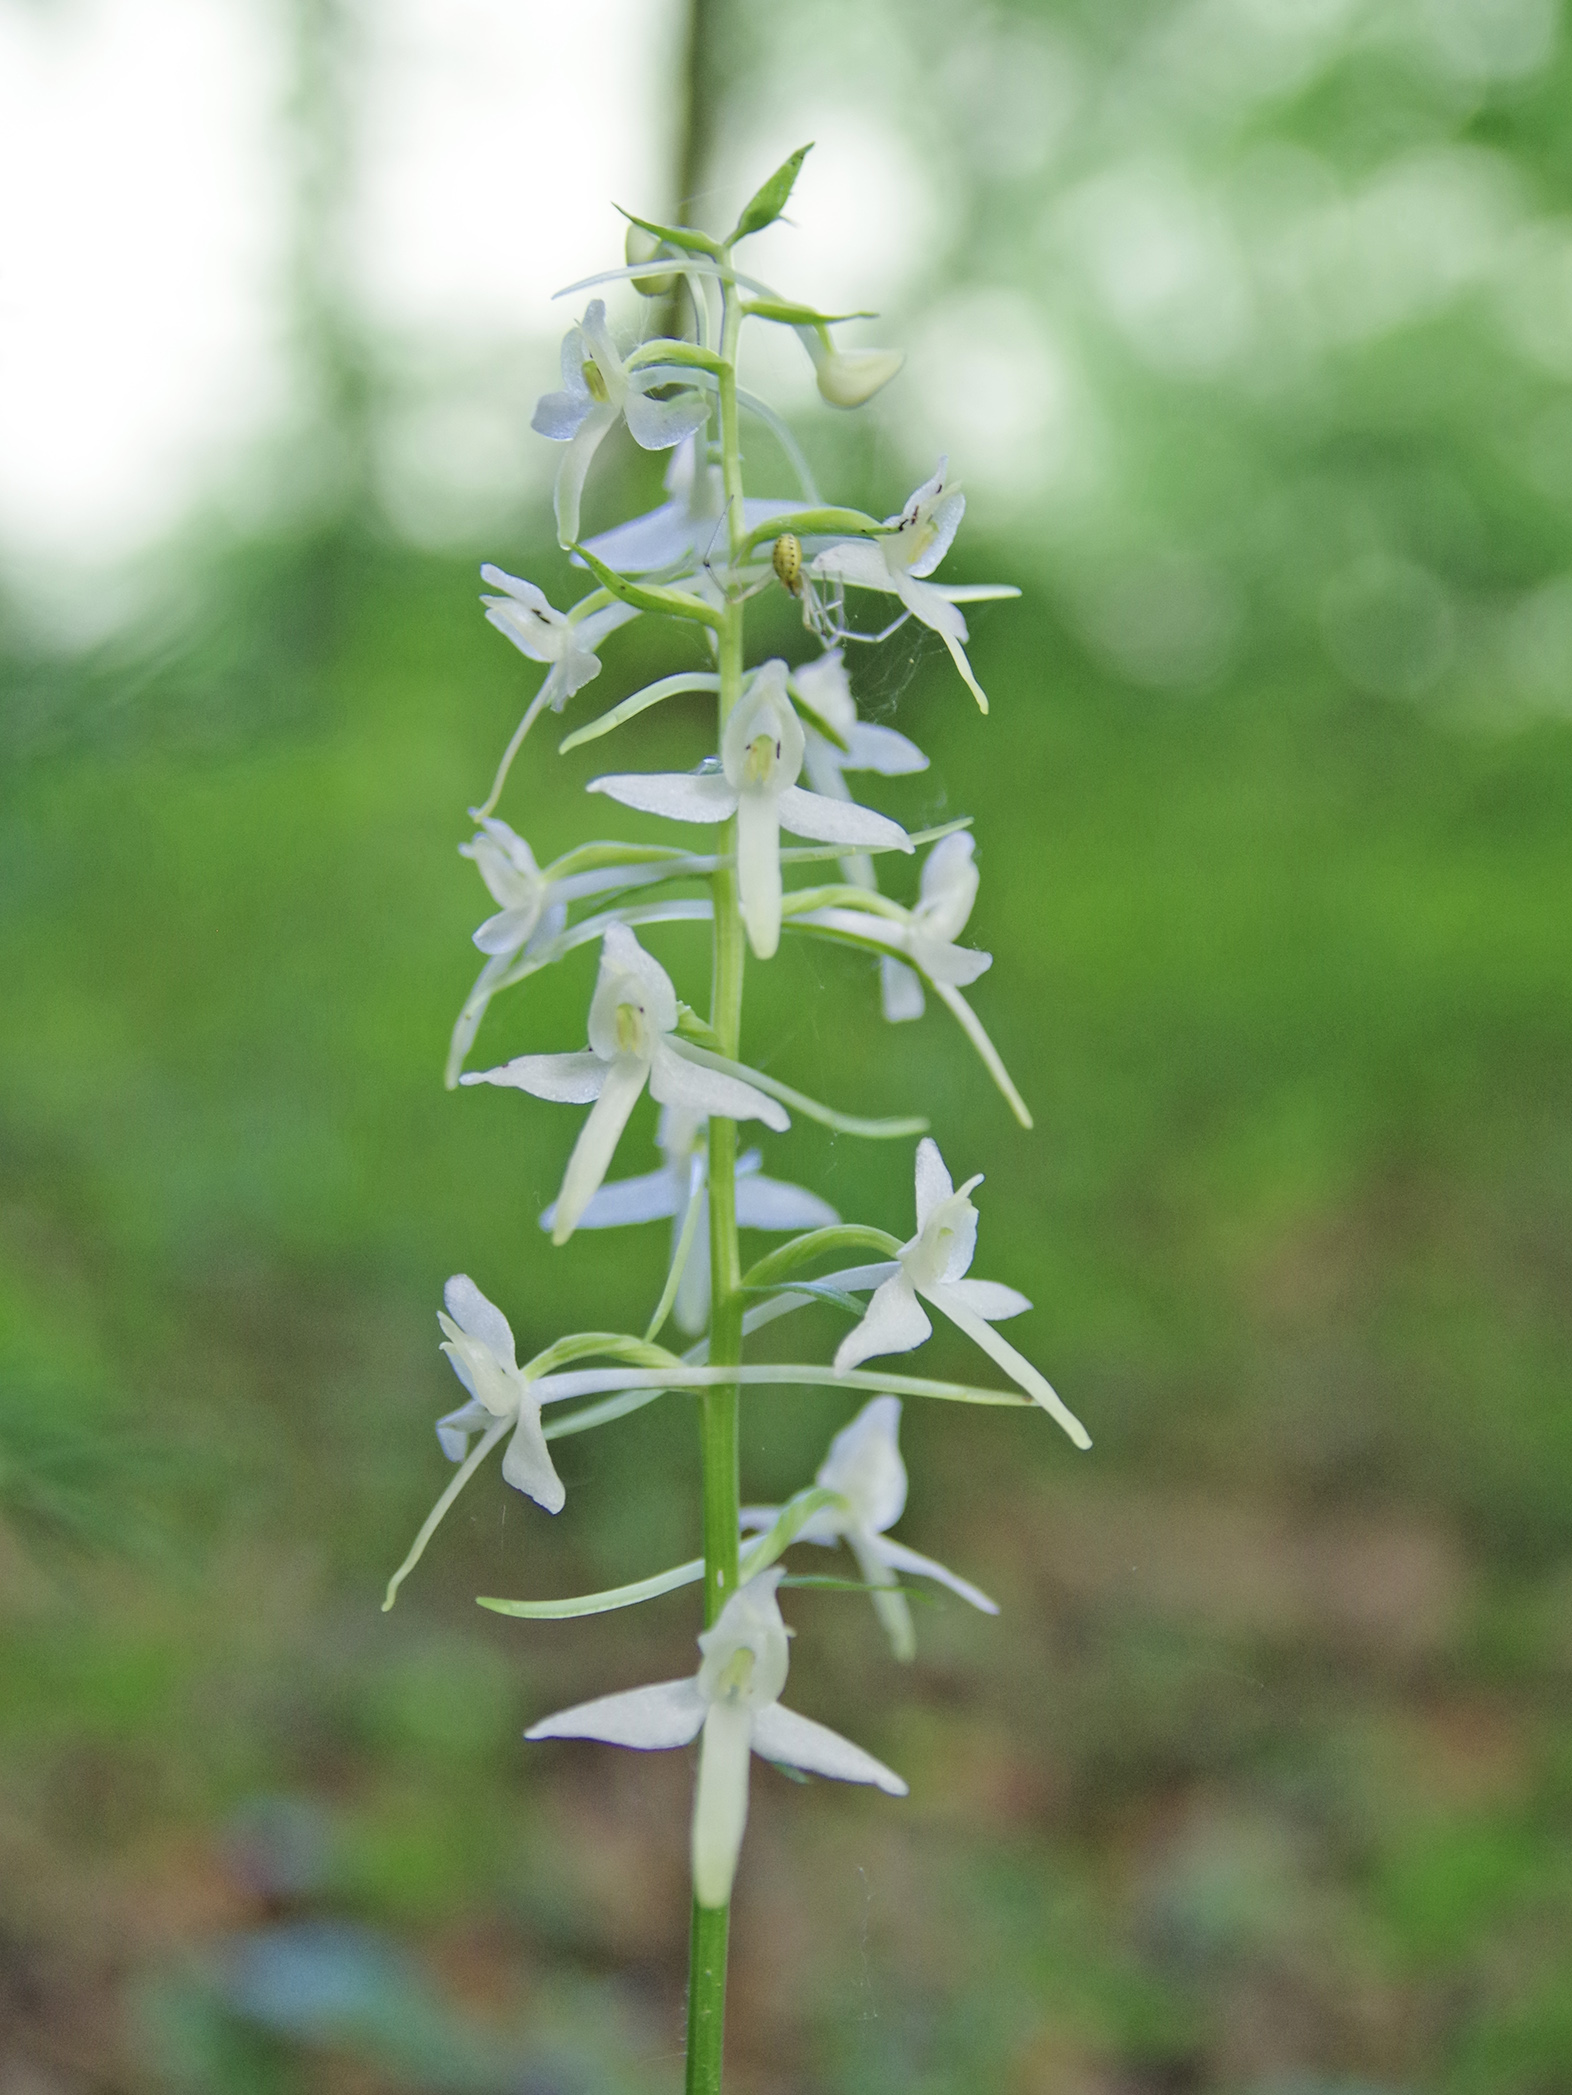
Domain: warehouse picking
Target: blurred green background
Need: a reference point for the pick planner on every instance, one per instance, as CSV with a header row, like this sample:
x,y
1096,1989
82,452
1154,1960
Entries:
x,y
1248,326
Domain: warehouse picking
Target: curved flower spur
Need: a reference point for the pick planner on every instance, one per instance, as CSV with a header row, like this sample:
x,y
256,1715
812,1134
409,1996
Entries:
x,y
734,1699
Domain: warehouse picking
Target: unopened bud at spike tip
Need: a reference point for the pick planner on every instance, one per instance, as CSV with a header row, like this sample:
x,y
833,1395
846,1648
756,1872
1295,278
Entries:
x,y
640,246
848,377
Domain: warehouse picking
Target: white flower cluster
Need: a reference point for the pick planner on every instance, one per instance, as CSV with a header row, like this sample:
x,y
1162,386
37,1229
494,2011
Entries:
x,y
786,739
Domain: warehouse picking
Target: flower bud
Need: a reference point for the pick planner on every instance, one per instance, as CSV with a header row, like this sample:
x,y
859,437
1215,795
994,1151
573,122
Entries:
x,y
640,246
848,377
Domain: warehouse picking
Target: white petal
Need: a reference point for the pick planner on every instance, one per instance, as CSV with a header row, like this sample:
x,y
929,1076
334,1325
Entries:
x,y
598,1139
558,415
600,344
650,1198
720,1803
957,965
780,1734
881,749
900,1558
770,1203
660,538
682,796
944,520
454,1430
923,601
528,1466
539,643
470,1310
568,1080
509,929
675,1081
829,821
989,1299
853,560
759,868
895,1323
1015,1365
669,1714
864,1466
574,471
655,425
934,1183
892,1607
621,955
900,990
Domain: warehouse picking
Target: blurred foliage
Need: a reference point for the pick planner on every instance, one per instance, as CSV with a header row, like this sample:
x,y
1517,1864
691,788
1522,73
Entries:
x,y
1262,1782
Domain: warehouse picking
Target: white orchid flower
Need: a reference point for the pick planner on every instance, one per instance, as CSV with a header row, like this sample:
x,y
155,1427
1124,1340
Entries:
x,y
682,531
865,1471
924,936
735,1701
762,750
934,1265
899,562
529,914
632,1017
558,638
597,390
762,1203
478,1340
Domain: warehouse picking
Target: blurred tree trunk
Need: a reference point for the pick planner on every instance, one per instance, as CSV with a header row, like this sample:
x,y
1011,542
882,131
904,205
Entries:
x,y
704,75
325,42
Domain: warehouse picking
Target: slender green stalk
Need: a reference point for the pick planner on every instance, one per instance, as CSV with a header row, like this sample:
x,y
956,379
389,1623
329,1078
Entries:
x,y
719,1407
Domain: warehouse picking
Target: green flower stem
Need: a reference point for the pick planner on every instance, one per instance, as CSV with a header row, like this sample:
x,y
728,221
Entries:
x,y
719,1407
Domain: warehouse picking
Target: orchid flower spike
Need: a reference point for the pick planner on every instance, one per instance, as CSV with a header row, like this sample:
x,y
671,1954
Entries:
x,y
898,563
734,1701
545,634
679,534
632,1018
597,391
478,1340
934,1265
865,1471
762,750
762,1203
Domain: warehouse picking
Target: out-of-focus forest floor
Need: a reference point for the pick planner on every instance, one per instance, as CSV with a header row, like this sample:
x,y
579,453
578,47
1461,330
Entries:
x,y
1261,1781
